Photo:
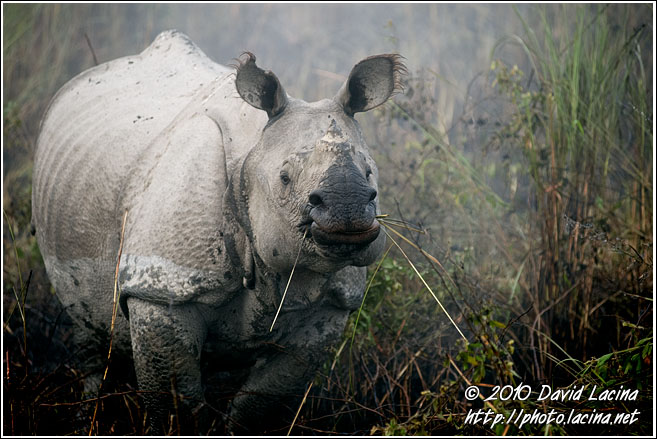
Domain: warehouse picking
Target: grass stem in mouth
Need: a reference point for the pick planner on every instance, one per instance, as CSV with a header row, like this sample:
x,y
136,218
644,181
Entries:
x,y
425,284
431,258
288,281
403,224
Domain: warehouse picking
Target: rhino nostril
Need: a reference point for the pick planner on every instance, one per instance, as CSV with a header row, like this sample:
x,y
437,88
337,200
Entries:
x,y
315,198
372,194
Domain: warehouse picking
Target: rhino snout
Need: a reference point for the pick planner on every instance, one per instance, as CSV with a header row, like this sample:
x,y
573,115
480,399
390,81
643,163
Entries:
x,y
343,216
316,197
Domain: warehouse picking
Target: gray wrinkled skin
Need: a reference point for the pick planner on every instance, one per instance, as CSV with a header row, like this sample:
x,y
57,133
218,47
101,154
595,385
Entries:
x,y
221,174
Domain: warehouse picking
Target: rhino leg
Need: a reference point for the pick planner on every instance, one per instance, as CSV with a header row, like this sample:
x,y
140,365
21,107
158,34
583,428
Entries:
x,y
167,343
274,389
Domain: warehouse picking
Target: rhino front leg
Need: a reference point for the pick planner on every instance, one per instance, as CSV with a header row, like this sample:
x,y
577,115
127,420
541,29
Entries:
x,y
166,344
270,397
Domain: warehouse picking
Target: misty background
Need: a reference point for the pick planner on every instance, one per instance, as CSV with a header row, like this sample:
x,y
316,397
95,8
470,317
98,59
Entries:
x,y
309,47
448,49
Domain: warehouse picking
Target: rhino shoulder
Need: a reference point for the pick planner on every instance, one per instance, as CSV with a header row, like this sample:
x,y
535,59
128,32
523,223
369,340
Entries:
x,y
177,247
139,93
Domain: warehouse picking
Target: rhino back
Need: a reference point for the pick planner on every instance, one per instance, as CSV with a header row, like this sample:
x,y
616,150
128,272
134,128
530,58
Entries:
x,y
105,134
96,128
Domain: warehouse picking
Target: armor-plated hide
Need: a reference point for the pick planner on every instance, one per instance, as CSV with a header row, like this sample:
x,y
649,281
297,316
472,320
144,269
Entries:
x,y
225,180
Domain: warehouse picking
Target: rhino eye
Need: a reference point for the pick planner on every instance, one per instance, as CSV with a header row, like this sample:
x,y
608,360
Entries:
x,y
368,172
285,178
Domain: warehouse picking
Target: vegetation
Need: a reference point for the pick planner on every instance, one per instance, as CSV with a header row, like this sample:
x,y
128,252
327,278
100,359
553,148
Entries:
x,y
530,218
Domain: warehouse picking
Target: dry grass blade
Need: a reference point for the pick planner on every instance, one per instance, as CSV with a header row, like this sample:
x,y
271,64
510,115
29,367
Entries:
x,y
425,284
401,223
288,282
303,401
20,297
115,303
431,257
467,381
93,52
13,240
11,405
369,285
362,304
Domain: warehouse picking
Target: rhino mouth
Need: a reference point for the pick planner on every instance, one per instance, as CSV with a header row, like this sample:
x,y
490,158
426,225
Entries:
x,y
358,237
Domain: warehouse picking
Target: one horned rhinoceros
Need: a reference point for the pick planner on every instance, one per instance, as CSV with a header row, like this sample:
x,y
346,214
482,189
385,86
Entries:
x,y
227,182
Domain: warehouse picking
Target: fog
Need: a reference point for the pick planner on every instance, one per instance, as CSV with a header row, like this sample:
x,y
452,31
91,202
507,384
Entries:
x,y
306,45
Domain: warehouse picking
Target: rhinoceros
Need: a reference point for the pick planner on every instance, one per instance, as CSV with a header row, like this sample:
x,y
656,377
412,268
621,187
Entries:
x,y
207,186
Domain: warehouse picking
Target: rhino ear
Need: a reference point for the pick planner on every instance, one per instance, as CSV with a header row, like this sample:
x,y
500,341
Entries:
x,y
259,88
371,82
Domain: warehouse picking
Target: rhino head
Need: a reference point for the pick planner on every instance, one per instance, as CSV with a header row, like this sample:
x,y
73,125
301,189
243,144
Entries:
x,y
311,182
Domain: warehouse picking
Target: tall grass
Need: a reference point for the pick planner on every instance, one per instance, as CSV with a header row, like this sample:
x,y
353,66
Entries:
x,y
583,128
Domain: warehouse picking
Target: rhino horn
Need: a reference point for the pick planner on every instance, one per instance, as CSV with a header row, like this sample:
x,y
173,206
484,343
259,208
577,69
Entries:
x,y
334,140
